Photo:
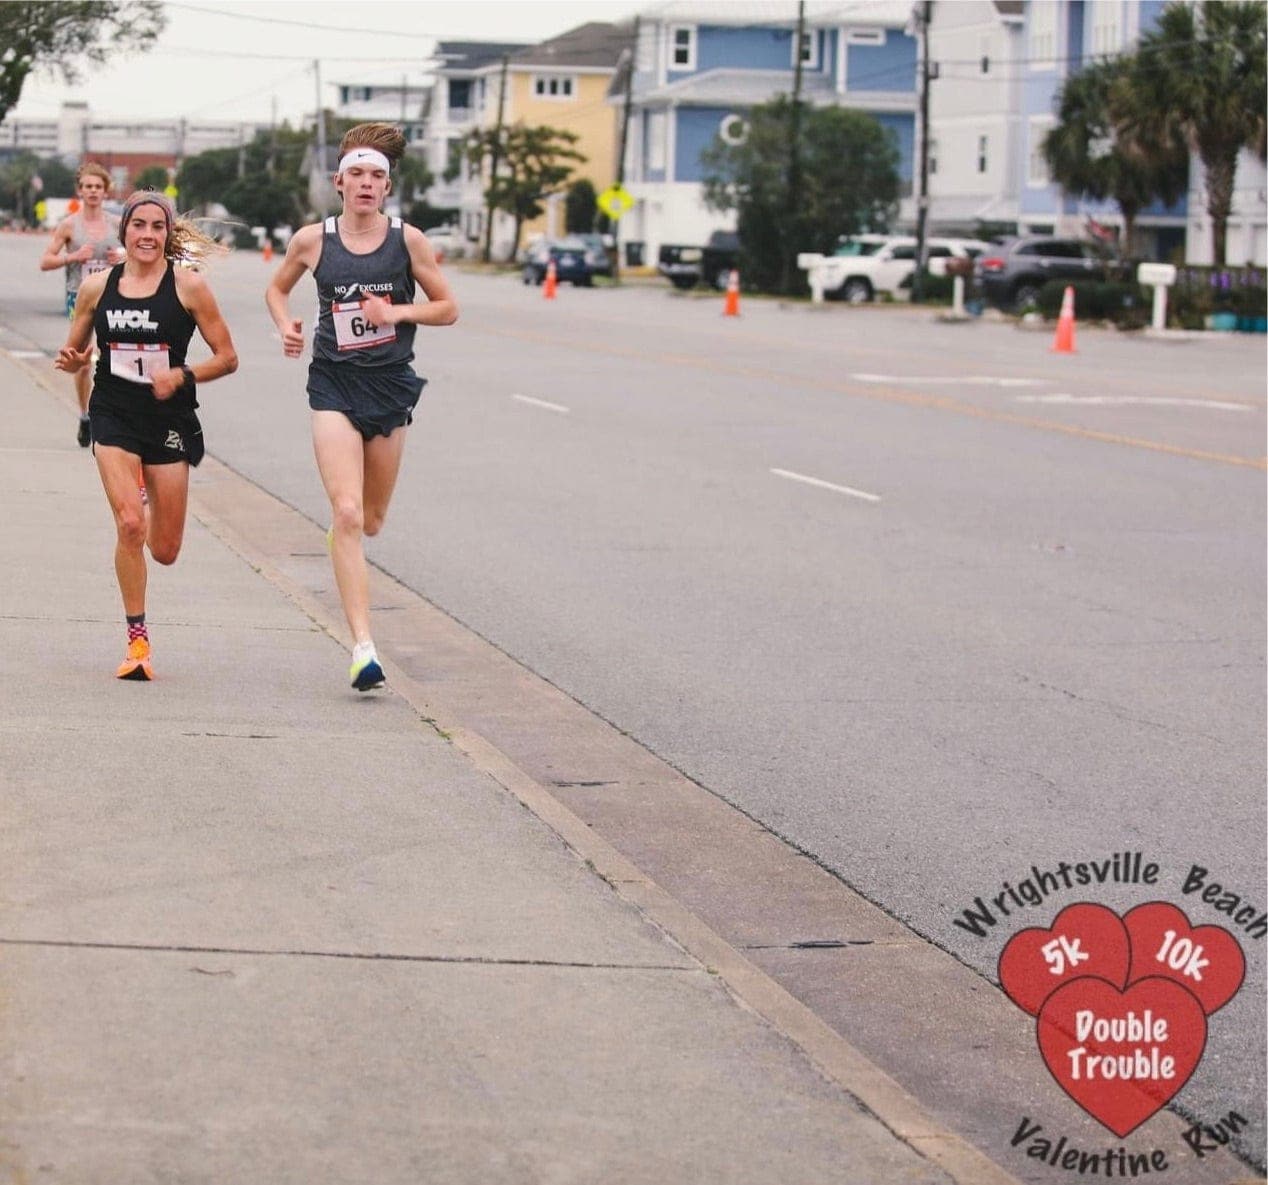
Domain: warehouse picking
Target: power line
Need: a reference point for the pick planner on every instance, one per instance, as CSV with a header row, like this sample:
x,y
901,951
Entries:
x,y
342,30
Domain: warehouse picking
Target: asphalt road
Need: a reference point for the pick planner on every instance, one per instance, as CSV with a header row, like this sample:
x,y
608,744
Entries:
x,y
928,601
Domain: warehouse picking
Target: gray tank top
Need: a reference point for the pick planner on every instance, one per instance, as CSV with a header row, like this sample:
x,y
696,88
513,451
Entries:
x,y
79,235
344,281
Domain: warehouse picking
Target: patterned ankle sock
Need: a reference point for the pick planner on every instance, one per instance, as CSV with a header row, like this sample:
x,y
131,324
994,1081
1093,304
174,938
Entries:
x,y
136,628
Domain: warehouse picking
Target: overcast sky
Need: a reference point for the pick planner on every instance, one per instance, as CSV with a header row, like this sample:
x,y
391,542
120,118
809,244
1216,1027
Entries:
x,y
218,59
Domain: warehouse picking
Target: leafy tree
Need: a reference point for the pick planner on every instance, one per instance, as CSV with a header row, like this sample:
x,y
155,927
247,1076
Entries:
x,y
204,178
1201,74
411,178
532,164
581,207
38,34
15,183
1088,154
152,177
270,190
848,183
261,200
58,178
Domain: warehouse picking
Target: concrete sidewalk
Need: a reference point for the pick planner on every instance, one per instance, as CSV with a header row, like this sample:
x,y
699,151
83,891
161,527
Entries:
x,y
257,928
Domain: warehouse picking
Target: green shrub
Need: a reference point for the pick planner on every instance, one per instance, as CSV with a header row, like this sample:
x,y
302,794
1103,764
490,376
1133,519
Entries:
x,y
936,289
1096,300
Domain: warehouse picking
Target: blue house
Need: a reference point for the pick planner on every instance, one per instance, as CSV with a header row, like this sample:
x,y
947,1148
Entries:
x,y
1061,37
700,67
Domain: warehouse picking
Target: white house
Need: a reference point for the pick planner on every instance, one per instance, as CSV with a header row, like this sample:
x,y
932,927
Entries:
x,y
456,106
975,133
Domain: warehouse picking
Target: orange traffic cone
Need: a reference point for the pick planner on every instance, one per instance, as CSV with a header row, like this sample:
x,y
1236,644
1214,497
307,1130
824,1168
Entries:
x,y
732,306
1063,343
268,250
550,283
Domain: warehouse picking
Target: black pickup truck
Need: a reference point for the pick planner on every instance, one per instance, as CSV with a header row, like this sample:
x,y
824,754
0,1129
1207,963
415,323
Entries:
x,y
685,267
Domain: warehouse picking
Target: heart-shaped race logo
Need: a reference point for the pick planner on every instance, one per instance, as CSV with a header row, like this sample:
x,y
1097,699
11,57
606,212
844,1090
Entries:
x,y
1084,939
1207,960
1121,1055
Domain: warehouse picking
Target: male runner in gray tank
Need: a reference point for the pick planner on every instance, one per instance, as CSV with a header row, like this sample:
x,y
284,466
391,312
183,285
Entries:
x,y
84,243
361,386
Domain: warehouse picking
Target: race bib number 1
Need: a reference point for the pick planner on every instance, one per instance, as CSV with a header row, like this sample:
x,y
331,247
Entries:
x,y
353,331
136,362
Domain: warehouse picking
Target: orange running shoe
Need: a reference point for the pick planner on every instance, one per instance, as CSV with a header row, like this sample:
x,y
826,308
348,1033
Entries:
x,y
137,664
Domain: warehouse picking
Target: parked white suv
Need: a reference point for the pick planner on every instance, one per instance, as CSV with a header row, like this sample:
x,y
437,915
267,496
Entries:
x,y
867,264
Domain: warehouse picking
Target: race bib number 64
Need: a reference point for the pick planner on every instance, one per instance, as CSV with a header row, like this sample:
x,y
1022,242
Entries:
x,y
353,331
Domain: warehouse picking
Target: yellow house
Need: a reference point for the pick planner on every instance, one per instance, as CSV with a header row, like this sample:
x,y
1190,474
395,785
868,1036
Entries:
x,y
561,83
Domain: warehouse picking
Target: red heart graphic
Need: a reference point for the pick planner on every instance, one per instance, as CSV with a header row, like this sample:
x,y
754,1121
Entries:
x,y
1207,960
1084,939
1121,1055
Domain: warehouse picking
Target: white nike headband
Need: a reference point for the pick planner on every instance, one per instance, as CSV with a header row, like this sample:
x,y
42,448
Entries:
x,y
364,156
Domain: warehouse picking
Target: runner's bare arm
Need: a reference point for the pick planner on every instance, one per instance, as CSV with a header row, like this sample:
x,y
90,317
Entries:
x,y
302,253
77,352
198,298
440,308
57,253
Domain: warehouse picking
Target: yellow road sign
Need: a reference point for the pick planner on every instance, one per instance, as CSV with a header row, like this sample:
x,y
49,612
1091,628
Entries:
x,y
615,201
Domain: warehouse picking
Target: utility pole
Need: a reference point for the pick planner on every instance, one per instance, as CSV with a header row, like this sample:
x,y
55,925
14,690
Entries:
x,y
625,139
922,193
273,137
320,156
495,159
794,149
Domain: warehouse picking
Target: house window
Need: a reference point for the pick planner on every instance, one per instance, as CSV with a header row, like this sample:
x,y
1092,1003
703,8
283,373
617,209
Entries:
x,y
656,140
983,143
865,37
1037,174
809,49
1043,35
933,157
1106,33
552,86
682,47
459,94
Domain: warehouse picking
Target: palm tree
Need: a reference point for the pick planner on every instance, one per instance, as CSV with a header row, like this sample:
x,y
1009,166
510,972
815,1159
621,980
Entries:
x,y
1201,72
1088,155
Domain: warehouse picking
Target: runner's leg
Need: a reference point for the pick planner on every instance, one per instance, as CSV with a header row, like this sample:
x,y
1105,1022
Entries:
x,y
118,475
167,488
340,453
382,465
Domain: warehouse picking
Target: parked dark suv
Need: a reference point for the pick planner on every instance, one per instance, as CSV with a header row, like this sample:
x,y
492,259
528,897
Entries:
x,y
1012,272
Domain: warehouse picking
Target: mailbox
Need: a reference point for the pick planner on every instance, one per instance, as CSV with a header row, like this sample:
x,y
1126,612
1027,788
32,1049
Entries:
x,y
1161,276
1156,273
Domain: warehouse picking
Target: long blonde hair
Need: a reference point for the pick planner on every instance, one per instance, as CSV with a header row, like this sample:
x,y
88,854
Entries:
x,y
186,241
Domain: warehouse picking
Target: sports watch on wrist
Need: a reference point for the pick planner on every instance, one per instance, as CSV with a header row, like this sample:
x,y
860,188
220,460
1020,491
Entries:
x,y
190,381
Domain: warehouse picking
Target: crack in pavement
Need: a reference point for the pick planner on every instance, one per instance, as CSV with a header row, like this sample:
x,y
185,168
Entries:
x,y
354,956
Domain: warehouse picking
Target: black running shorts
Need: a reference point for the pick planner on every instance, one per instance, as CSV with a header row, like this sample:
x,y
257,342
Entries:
x,y
377,402
157,440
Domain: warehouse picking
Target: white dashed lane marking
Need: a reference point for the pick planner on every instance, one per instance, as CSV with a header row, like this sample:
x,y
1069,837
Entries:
x,y
950,380
1147,400
826,485
559,407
